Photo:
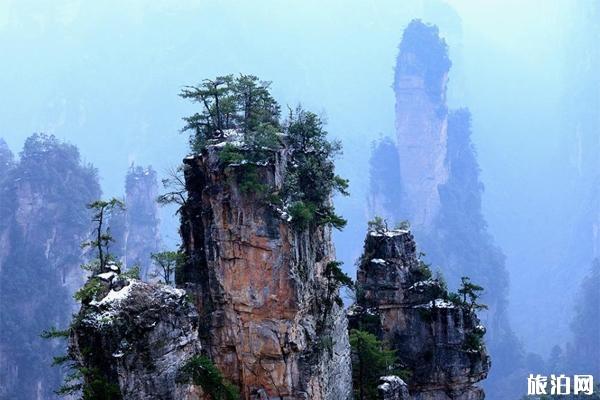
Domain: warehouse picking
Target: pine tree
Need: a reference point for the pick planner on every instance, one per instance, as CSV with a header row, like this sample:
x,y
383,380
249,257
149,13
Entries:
x,y
472,292
102,210
168,262
370,361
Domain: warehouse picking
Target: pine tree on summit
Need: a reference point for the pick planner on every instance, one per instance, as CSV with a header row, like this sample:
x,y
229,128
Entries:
x,y
243,103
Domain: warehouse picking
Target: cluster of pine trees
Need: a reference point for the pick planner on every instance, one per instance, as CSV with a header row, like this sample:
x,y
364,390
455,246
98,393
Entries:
x,y
242,107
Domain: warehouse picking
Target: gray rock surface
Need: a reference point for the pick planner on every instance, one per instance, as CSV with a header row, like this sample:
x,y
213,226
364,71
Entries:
x,y
439,339
139,337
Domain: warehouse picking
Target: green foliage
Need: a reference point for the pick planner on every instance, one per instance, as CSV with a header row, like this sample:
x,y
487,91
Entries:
x,y
176,192
430,51
54,333
311,176
97,387
132,273
441,280
334,273
169,262
424,271
90,383
245,160
90,291
231,154
72,384
201,371
370,360
404,373
341,185
473,341
377,224
454,298
336,278
102,210
60,360
472,292
303,214
332,219
242,103
249,180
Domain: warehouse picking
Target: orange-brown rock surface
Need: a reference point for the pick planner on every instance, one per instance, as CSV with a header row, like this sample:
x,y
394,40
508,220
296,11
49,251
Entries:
x,y
258,285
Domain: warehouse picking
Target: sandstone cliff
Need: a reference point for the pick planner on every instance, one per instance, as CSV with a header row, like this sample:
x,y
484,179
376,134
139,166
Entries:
x,y
436,336
259,287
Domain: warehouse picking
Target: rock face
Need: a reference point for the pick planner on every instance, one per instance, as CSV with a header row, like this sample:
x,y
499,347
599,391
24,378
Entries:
x,y
136,229
259,287
139,335
436,336
421,120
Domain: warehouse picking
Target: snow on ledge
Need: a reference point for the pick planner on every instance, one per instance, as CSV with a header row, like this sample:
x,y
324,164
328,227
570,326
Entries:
x,y
389,234
441,303
437,303
428,282
115,297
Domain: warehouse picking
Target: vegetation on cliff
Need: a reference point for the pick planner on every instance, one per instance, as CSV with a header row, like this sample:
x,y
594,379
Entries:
x,y
370,361
202,372
88,381
411,311
240,115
